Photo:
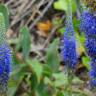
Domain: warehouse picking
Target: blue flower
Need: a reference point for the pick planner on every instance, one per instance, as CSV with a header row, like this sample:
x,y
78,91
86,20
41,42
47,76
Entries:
x,y
91,46
88,24
92,72
93,83
5,61
93,63
69,48
5,57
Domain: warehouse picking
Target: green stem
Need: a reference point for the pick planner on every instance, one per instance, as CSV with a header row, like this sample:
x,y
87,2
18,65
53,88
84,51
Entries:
x,y
79,8
69,14
70,77
2,29
82,5
69,25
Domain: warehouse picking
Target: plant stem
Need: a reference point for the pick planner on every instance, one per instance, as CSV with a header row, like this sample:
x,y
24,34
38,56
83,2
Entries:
x,y
69,25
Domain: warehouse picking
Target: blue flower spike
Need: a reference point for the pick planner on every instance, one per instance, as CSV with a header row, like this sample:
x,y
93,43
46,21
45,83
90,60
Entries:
x,y
88,26
69,42
5,58
69,50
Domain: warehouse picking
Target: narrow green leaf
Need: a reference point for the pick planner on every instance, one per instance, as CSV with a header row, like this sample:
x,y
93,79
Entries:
x,y
62,30
86,61
76,80
61,5
25,41
59,93
33,81
36,67
5,12
44,90
14,82
60,79
2,28
52,56
46,70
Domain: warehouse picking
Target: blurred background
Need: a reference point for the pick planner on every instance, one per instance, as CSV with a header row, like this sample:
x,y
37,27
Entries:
x,y
34,35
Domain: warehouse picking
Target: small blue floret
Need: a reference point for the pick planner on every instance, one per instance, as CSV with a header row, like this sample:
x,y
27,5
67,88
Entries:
x,y
88,24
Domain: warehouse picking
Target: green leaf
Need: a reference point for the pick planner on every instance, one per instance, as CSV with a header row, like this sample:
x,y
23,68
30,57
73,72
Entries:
x,y
13,85
5,12
59,93
60,79
16,76
62,30
80,48
76,24
61,5
14,81
44,90
74,8
76,80
86,61
57,21
46,70
52,56
25,41
33,81
80,44
36,67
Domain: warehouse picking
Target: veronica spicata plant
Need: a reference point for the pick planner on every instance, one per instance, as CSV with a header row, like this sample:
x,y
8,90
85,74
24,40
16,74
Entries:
x,y
69,42
5,57
88,26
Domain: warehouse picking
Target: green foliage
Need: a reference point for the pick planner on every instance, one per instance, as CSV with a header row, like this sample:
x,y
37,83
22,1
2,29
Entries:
x,y
2,28
25,41
5,12
42,79
16,77
52,56
63,5
60,79
86,61
36,67
47,78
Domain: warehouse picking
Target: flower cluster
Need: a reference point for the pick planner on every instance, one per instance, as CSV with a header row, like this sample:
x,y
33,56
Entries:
x,y
5,60
92,73
5,57
88,25
69,46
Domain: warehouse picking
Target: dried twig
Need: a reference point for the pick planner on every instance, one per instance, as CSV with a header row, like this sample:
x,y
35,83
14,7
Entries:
x,y
28,8
52,33
41,15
